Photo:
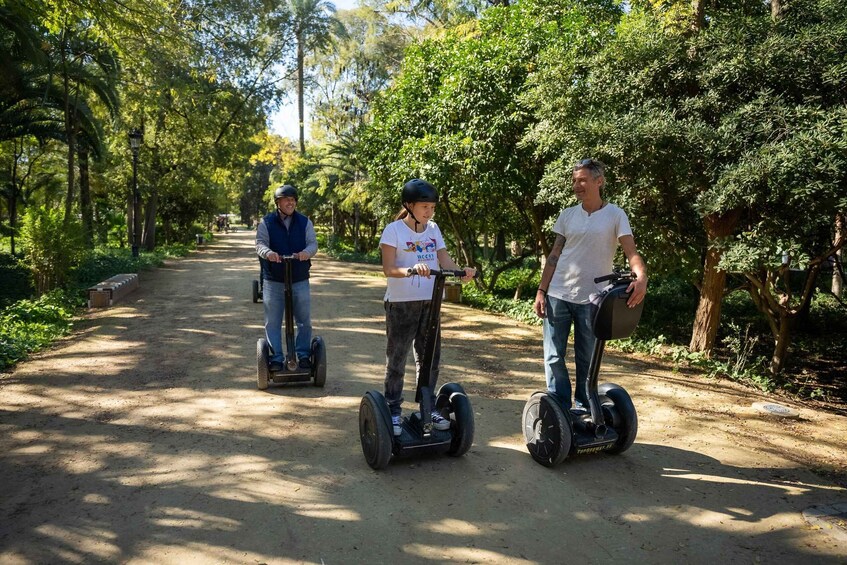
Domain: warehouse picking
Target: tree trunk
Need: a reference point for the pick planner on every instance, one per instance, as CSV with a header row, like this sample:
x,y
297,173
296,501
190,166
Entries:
x,y
537,231
85,198
356,228
777,7
70,132
698,15
457,230
708,316
301,61
783,340
500,245
130,221
837,281
149,237
13,195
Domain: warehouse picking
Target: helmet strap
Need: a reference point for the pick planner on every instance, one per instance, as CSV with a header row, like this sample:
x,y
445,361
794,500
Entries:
x,y
417,223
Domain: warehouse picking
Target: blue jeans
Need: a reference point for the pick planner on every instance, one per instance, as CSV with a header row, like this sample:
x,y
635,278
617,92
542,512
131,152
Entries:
x,y
561,314
273,299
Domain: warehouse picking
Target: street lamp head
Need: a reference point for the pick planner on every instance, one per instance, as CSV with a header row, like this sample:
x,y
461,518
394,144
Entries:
x,y
135,139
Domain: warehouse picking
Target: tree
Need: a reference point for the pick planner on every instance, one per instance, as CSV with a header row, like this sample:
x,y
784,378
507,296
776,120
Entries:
x,y
347,78
456,115
699,129
313,26
440,14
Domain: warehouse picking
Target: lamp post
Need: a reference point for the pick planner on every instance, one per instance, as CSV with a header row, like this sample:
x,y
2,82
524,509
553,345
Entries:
x,y
135,139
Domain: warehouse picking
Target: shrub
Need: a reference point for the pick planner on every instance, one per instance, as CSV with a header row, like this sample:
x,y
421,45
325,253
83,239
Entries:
x,y
15,280
29,325
52,247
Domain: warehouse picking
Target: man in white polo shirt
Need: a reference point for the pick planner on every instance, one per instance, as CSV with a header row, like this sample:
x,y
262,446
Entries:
x,y
587,236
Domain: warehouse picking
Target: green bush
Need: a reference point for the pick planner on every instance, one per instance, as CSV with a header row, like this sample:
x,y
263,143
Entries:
x,y
521,310
29,325
52,246
342,249
15,280
510,280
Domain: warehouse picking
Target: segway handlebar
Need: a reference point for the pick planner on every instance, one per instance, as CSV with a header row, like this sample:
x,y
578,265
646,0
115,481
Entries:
x,y
458,273
617,276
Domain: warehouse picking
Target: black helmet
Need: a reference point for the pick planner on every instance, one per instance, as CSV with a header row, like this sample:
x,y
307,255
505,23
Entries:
x,y
417,190
285,190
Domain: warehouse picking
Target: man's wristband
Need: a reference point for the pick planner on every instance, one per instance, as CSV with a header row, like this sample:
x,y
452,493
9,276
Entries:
x,y
542,290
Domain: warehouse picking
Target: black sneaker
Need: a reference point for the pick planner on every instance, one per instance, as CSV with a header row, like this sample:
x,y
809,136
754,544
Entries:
x,y
275,366
305,363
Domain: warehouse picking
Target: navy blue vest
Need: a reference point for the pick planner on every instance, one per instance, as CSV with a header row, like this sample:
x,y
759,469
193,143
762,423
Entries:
x,y
286,241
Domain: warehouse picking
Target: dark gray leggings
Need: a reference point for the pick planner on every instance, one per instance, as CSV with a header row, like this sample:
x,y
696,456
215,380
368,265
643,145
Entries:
x,y
405,326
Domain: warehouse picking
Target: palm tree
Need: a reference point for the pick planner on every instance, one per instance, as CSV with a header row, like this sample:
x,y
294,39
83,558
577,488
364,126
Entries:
x,y
314,25
88,71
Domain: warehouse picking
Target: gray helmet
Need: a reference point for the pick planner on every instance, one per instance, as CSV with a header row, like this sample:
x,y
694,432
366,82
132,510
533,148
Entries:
x,y
417,190
285,190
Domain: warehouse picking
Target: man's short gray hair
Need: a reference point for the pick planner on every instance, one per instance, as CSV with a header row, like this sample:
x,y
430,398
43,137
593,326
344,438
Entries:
x,y
596,166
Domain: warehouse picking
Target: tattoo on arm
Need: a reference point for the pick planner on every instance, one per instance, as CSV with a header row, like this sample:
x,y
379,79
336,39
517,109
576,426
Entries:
x,y
558,245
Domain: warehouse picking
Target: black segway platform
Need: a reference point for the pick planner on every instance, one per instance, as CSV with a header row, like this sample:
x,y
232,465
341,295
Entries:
x,y
291,371
418,437
610,424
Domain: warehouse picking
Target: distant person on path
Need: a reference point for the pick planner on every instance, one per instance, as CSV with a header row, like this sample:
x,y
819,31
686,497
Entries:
x,y
286,232
411,246
587,236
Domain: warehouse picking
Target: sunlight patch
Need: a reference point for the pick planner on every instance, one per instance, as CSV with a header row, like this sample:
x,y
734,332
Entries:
x,y
461,554
789,489
451,526
329,512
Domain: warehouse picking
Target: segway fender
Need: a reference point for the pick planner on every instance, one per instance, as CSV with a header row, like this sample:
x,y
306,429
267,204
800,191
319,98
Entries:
x,y
318,361
461,414
622,416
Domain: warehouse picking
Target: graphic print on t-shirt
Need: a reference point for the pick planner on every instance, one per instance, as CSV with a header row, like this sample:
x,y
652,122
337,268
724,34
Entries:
x,y
425,249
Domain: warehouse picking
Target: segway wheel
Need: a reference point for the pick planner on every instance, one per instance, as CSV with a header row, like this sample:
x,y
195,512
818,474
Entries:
x,y
620,414
375,429
255,292
262,364
462,424
318,361
546,429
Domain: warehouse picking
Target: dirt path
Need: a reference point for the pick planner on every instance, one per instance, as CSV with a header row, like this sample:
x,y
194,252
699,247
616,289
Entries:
x,y
143,438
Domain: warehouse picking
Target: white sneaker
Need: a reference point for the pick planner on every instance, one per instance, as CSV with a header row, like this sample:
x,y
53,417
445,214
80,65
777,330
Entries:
x,y
398,425
439,422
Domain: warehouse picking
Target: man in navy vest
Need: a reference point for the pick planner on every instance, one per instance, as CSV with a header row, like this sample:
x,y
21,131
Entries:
x,y
286,232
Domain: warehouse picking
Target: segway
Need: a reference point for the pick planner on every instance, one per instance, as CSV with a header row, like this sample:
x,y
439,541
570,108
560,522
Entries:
x,y
291,371
418,437
259,285
610,423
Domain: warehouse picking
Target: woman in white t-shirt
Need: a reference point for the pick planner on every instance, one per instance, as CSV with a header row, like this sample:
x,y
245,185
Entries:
x,y
411,246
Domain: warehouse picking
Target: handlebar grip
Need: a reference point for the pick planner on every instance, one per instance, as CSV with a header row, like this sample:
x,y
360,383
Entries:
x,y
604,278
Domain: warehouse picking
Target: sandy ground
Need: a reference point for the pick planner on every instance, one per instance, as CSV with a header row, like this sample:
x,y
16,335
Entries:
x,y
142,439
